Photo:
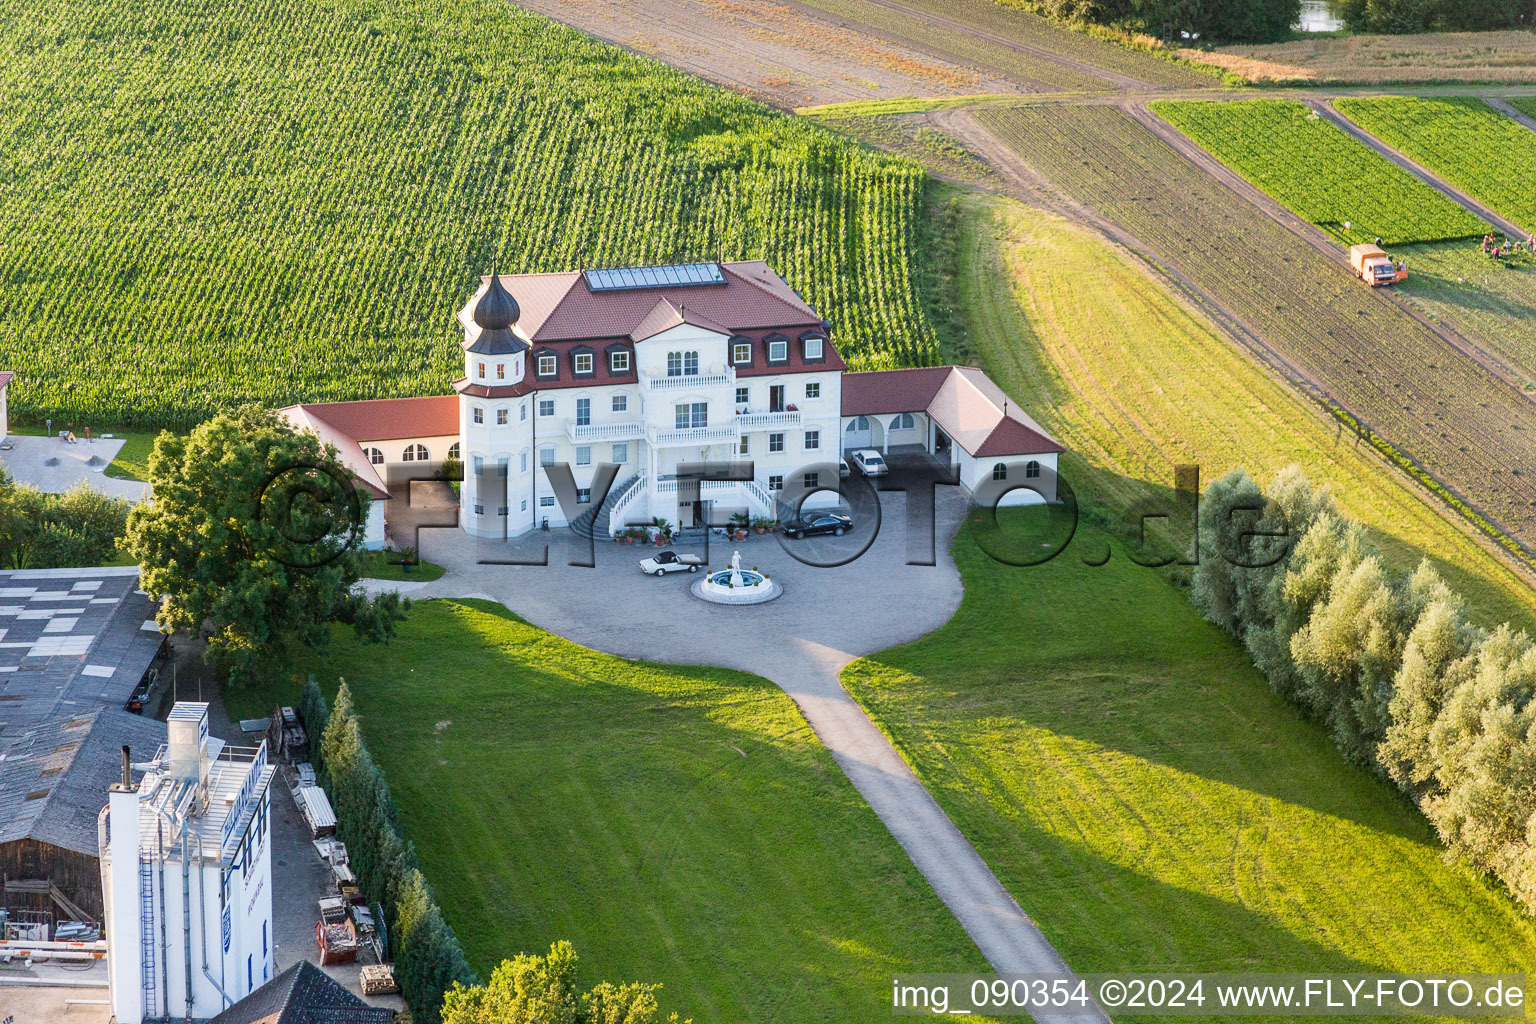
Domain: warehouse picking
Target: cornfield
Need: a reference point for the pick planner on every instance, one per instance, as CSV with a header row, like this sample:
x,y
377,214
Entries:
x,y
206,203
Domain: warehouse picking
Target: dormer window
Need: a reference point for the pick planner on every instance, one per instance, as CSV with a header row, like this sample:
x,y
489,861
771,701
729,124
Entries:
x,y
618,362
778,351
547,366
583,362
741,352
813,348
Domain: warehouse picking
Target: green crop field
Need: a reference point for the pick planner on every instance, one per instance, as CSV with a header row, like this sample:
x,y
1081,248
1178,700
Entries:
x,y
1313,167
206,202
679,824
1463,140
1467,429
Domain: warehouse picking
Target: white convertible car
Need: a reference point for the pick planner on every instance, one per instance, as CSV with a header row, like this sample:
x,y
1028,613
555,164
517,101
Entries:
x,y
664,562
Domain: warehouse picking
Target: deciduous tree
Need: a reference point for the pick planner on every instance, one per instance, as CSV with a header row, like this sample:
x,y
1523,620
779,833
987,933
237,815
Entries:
x,y
252,536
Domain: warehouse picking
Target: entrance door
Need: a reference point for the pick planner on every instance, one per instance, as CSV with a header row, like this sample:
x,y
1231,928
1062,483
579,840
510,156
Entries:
x,y
776,398
699,516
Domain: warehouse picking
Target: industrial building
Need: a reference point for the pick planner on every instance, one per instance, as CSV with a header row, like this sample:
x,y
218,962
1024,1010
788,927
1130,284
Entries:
x,y
74,644
186,870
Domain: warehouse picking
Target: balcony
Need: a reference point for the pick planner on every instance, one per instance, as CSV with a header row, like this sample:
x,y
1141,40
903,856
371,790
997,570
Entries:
x,y
694,436
720,378
767,420
628,430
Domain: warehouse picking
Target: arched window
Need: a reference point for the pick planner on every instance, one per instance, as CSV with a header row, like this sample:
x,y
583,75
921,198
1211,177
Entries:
x,y
858,423
374,456
1000,471
416,453
453,450
902,421
1031,468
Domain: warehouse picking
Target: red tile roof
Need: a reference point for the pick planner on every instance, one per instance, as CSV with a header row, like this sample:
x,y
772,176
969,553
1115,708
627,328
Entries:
x,y
389,419
885,391
962,400
5,377
561,307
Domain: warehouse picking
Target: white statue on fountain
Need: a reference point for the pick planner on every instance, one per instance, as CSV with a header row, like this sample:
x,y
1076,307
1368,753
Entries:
x,y
736,568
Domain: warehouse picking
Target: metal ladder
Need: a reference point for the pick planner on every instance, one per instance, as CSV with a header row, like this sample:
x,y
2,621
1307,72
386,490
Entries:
x,y
147,930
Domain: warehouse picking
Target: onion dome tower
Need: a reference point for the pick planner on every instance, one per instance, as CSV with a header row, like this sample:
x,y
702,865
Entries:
x,y
494,315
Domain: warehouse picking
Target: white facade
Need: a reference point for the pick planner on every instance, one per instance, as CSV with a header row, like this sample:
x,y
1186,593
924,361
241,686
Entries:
x,y
186,868
688,405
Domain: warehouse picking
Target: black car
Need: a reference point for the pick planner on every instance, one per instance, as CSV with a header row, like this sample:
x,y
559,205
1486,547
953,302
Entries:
x,y
812,523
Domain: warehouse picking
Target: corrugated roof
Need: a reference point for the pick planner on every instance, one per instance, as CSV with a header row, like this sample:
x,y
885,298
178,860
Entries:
x,y
54,779
76,644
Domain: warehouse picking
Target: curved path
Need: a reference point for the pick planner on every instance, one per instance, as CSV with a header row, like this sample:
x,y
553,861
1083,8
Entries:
x,y
826,618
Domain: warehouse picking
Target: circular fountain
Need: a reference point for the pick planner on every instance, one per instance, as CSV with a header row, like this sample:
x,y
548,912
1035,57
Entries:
x,y
737,585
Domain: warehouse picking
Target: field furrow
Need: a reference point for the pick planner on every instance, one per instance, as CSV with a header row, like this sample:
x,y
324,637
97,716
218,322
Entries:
x,y
1464,426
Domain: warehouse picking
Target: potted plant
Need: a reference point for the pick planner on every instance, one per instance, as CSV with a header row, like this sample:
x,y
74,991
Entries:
x,y
663,530
762,524
408,559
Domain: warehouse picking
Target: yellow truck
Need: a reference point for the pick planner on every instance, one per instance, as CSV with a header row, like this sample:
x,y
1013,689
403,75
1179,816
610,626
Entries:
x,y
1374,266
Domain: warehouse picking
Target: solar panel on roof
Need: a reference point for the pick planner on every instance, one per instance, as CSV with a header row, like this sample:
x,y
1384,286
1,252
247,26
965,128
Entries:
x,y
683,275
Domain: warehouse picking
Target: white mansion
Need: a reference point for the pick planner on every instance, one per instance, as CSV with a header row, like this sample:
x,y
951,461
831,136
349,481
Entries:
x,y
573,380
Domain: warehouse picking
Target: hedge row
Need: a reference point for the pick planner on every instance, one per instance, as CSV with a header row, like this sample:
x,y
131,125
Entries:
x,y
428,957
1388,662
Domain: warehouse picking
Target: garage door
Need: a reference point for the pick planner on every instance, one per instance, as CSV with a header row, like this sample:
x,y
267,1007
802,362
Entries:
x,y
856,435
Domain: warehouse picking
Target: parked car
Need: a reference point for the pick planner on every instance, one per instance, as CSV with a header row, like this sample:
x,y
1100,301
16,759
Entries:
x,y
870,462
664,562
139,696
812,523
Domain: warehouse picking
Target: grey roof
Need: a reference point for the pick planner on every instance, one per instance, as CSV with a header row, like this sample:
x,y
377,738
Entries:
x,y
73,645
303,994
54,778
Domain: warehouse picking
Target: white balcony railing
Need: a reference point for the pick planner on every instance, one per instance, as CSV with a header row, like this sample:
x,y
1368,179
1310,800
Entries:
x,y
694,435
767,420
630,430
719,378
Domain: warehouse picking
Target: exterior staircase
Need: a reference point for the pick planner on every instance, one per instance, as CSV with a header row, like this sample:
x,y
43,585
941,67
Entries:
x,y
596,522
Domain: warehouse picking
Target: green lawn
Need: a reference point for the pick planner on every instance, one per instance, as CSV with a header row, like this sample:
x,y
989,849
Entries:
x,y
132,460
1137,786
1132,382
678,824
385,565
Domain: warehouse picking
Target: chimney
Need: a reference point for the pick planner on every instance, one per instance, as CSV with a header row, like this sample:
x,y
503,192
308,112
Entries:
x,y
127,777
187,744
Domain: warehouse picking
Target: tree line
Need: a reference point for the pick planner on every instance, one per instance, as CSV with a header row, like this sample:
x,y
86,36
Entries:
x,y
80,527
1387,662
1405,16
1268,21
